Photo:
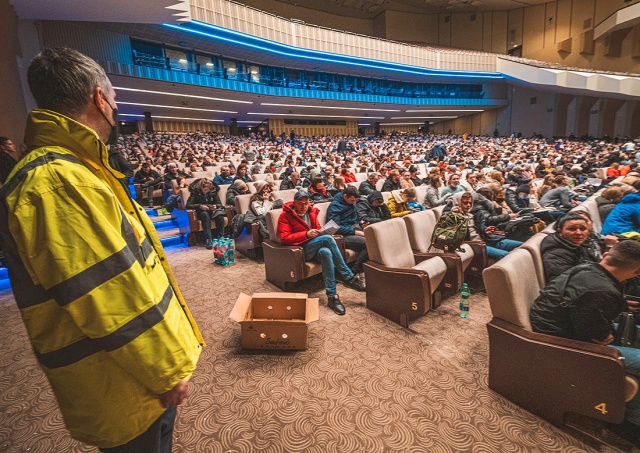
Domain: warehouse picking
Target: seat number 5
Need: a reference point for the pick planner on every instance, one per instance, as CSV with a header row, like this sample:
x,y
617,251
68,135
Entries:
x,y
414,306
602,408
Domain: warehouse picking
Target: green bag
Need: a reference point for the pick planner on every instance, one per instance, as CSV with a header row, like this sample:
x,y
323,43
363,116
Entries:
x,y
450,231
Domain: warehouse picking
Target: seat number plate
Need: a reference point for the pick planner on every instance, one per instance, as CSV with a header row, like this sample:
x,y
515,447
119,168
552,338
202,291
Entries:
x,y
602,408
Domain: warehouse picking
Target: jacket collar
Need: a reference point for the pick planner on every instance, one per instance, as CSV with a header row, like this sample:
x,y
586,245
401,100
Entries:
x,y
49,128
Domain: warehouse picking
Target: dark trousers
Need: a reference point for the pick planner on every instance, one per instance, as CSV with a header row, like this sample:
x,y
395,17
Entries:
x,y
157,439
205,218
357,244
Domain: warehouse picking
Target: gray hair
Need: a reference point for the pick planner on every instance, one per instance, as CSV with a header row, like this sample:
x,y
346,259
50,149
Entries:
x,y
63,79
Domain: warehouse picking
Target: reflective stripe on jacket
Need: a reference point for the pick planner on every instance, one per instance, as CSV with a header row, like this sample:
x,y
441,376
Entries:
x,y
105,317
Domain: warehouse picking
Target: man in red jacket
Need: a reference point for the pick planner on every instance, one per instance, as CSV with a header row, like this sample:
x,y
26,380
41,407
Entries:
x,y
298,225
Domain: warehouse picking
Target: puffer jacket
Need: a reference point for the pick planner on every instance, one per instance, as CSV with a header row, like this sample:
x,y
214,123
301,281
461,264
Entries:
x,y
560,255
397,208
343,214
104,314
292,229
625,217
515,203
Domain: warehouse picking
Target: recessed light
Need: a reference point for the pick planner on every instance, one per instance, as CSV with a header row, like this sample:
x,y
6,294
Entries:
x,y
328,107
138,90
175,107
316,116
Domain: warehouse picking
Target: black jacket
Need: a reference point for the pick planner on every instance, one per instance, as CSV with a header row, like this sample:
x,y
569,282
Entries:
x,y
390,186
515,203
605,206
484,218
198,198
232,193
366,188
287,184
580,304
370,214
560,255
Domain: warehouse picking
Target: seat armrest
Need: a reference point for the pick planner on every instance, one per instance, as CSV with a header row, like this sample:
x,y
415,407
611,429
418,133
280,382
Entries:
x,y
454,277
479,261
283,264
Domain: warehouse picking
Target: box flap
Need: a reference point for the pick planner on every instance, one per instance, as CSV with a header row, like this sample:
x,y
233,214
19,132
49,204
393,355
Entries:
x,y
313,310
241,308
280,296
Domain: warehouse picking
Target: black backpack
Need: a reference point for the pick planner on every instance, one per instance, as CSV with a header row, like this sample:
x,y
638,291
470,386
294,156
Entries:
x,y
450,231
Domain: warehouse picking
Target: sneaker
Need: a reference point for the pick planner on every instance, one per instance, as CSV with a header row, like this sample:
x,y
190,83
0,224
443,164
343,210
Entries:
x,y
355,283
207,244
335,304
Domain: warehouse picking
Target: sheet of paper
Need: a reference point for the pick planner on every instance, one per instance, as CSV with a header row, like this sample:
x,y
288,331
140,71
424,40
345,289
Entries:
x,y
329,228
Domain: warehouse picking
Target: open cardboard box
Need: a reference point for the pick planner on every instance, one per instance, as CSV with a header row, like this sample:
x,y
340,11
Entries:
x,y
275,320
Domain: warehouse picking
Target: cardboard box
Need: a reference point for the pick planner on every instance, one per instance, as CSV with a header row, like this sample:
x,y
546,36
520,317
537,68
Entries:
x,y
275,320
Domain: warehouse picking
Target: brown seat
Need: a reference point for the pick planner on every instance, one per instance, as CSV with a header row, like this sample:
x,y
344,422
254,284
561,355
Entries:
x,y
249,240
546,375
420,226
191,225
533,246
401,284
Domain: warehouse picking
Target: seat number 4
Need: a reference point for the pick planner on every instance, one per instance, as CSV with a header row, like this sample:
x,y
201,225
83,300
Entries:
x,y
602,408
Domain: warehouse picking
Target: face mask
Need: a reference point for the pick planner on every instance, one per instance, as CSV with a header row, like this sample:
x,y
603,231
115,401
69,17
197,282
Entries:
x,y
499,200
522,197
113,135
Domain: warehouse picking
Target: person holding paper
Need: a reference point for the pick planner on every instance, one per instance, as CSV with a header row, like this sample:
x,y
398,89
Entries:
x,y
298,225
343,211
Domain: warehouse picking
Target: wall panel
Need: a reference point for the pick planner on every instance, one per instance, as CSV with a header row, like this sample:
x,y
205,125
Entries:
x,y
534,27
466,30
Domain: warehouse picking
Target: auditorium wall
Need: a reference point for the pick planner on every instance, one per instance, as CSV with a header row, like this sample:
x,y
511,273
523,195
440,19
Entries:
x,y
185,126
14,108
277,126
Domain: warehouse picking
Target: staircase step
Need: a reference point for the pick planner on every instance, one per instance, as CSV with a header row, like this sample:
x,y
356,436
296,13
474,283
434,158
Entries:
x,y
174,241
166,224
4,273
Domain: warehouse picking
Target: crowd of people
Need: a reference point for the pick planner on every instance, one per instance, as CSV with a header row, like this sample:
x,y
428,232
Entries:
x,y
118,315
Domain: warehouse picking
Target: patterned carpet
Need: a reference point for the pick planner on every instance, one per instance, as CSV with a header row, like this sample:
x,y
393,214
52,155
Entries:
x,y
364,385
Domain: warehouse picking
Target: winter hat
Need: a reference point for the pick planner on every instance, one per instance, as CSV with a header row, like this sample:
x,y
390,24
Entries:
x,y
524,188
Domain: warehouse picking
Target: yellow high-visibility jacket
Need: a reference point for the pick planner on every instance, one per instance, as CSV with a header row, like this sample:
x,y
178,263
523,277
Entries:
x,y
106,320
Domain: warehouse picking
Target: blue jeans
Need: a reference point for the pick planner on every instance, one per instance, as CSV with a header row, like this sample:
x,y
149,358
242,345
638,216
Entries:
x,y
324,250
157,439
502,247
632,367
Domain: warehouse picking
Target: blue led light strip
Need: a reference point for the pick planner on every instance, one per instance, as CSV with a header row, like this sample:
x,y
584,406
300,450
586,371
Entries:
x,y
242,39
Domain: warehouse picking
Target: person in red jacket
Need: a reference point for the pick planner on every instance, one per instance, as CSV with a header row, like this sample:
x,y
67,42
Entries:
x,y
298,225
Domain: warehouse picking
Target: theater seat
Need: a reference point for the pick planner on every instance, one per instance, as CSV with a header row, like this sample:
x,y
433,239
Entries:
x,y
249,240
401,284
546,375
533,246
420,226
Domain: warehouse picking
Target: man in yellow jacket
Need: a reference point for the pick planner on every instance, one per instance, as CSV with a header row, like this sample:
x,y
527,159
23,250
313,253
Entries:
x,y
104,314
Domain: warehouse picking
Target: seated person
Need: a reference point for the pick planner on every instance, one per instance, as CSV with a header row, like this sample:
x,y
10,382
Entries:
x,y
242,173
608,200
338,186
343,211
318,192
298,225
625,217
405,180
398,202
565,248
483,225
224,177
348,175
239,187
260,203
150,179
372,209
582,303
294,180
368,186
171,172
393,182
174,198
560,198
205,201
453,187
432,198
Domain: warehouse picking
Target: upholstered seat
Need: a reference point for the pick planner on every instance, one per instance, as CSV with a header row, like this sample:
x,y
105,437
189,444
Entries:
x,y
401,284
546,375
533,246
420,226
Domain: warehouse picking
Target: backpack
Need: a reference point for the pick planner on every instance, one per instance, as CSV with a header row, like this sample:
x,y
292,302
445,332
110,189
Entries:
x,y
237,225
450,231
523,228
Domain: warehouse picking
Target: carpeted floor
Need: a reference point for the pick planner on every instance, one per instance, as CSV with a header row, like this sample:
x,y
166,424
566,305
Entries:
x,y
364,385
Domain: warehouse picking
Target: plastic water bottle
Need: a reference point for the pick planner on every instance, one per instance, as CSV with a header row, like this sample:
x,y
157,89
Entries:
x,y
231,249
216,251
464,300
222,251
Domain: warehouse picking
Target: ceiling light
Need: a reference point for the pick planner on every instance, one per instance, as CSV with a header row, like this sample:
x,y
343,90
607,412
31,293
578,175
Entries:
x,y
137,90
328,107
182,60
173,107
316,116
171,117
401,124
421,117
209,64
364,124
442,111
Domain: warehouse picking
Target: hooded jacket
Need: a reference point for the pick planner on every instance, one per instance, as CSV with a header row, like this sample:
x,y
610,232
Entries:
x,y
344,214
605,206
105,317
292,229
371,214
625,217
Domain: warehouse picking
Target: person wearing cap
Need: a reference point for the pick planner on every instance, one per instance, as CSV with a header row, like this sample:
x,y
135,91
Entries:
x,y
372,209
298,225
518,199
368,186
